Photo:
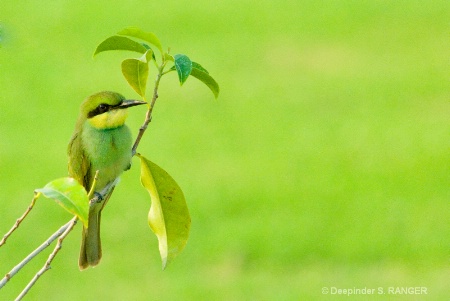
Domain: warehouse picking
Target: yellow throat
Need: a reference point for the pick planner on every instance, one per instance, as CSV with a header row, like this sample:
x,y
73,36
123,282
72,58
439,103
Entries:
x,y
109,120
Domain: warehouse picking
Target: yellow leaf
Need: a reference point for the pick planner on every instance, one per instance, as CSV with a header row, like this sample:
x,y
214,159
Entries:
x,y
169,216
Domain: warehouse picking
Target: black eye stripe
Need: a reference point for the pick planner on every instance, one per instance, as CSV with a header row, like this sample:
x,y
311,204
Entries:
x,y
102,108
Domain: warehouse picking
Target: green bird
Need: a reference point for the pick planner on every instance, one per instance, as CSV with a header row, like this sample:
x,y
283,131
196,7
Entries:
x,y
101,141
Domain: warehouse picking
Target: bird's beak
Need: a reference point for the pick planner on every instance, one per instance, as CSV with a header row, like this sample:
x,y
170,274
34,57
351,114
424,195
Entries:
x,y
130,103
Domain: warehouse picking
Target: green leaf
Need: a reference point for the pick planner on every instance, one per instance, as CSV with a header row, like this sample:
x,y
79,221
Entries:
x,y
199,67
184,66
136,74
169,57
70,195
201,74
136,32
120,43
169,216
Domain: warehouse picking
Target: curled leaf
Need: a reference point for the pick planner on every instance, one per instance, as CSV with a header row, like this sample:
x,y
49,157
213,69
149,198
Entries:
x,y
148,56
135,72
70,195
169,216
201,74
120,43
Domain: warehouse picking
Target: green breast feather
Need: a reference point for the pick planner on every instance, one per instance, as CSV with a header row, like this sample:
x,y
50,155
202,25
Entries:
x,y
107,150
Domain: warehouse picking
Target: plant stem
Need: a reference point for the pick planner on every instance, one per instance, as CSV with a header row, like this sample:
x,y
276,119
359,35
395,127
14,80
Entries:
x,y
148,116
170,70
20,219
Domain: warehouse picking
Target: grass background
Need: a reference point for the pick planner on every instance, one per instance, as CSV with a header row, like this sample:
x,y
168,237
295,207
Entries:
x,y
324,162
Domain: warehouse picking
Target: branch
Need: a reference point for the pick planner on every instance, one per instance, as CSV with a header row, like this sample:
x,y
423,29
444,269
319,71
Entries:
x,y
68,227
20,219
27,259
148,116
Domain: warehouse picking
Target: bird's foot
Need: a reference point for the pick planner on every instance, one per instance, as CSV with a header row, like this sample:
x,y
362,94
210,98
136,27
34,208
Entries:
x,y
98,197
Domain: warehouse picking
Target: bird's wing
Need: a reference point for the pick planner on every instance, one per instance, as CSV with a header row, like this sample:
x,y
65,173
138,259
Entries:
x,y
79,163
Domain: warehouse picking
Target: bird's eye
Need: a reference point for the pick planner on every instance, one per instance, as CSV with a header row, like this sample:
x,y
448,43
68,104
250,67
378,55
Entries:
x,y
102,108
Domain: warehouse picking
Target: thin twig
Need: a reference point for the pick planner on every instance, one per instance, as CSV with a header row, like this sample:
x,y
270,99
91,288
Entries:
x,y
47,266
27,259
148,116
20,219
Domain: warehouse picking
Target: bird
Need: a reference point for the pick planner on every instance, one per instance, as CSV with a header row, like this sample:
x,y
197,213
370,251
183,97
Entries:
x,y
100,142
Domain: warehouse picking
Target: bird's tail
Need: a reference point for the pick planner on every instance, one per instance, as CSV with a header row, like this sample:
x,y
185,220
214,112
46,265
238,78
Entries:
x,y
91,247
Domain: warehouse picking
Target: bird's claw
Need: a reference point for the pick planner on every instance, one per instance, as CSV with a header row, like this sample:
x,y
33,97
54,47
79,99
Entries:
x,y
98,197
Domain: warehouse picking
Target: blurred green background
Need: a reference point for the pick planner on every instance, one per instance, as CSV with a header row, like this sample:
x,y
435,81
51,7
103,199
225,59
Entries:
x,y
324,162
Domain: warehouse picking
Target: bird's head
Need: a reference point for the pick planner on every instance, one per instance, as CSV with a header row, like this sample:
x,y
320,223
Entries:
x,y
106,110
